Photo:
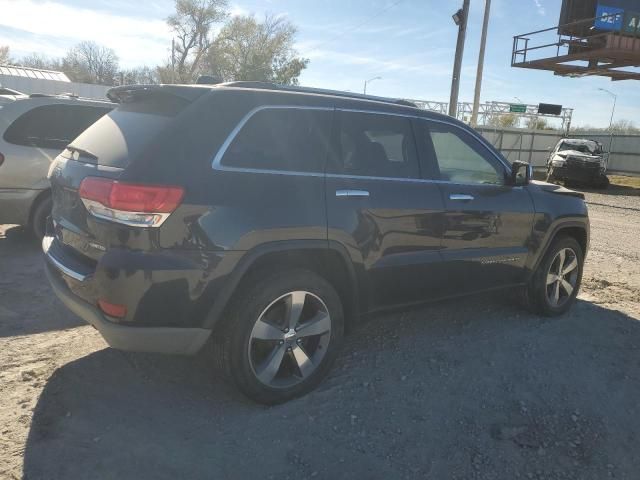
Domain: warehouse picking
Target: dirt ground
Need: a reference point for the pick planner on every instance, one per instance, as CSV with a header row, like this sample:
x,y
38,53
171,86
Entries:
x,y
473,389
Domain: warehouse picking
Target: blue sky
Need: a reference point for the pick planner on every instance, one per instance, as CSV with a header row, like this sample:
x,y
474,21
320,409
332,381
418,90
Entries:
x,y
410,45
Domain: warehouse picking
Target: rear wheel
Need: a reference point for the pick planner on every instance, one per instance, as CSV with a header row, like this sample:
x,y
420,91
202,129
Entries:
x,y
282,337
39,216
555,284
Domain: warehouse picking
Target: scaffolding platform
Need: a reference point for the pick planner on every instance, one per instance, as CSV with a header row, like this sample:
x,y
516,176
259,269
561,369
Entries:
x,y
607,54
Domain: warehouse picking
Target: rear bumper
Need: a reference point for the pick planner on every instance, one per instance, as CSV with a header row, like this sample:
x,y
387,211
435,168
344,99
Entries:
x,y
15,205
184,341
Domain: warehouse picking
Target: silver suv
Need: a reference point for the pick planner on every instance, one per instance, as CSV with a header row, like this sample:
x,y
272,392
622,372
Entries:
x,y
34,129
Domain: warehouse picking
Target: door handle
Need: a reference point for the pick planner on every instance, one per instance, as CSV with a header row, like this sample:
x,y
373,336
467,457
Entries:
x,y
352,193
461,197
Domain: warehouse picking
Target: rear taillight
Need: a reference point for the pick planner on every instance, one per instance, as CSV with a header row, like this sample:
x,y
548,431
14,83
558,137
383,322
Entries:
x,y
129,203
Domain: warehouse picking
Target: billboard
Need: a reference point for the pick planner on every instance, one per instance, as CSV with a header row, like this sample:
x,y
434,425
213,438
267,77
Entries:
x,y
610,16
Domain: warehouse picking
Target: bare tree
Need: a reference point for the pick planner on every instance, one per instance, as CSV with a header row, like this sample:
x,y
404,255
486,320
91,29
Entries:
x,y
192,24
4,55
139,75
37,60
246,49
624,126
89,62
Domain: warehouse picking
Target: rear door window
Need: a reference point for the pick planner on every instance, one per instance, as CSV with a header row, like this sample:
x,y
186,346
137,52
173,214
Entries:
x,y
376,145
52,126
283,139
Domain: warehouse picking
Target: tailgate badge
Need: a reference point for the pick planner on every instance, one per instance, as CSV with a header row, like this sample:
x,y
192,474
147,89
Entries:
x,y
97,246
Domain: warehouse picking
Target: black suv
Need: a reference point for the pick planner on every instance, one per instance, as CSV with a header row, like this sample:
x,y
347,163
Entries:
x,y
269,219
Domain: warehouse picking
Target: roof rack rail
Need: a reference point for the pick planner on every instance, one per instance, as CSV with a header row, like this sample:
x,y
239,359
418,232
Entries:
x,y
53,95
319,91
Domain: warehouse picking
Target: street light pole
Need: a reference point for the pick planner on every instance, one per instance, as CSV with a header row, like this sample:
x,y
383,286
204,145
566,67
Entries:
x,y
483,44
369,81
613,112
460,18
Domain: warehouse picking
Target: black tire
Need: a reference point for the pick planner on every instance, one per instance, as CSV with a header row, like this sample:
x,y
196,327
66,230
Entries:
x,y
234,344
39,216
601,182
536,296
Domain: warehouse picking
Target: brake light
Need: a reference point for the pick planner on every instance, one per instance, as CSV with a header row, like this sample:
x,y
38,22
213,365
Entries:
x,y
129,203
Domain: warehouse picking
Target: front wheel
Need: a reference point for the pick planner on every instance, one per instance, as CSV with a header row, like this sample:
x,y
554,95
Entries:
x,y
283,335
554,286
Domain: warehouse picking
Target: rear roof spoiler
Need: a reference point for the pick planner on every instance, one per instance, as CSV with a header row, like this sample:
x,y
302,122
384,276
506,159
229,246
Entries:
x,y
130,93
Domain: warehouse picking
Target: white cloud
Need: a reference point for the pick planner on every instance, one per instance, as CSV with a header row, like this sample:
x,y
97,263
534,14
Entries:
x,y
137,41
408,64
540,7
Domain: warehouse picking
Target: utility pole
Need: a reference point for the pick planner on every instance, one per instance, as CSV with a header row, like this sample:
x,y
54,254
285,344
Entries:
x,y
460,18
369,81
613,113
173,60
483,45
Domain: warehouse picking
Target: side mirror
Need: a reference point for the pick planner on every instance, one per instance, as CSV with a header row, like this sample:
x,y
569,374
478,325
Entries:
x,y
521,173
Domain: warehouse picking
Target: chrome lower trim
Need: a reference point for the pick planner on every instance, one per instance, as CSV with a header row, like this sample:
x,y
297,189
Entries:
x,y
46,245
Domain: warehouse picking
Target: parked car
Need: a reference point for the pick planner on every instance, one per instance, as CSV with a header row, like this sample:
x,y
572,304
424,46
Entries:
x,y
580,161
269,219
33,131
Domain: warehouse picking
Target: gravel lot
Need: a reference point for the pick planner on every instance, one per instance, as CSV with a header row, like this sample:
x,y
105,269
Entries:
x,y
469,389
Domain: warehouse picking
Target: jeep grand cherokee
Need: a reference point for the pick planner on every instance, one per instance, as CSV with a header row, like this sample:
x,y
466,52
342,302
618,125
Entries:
x,y
268,219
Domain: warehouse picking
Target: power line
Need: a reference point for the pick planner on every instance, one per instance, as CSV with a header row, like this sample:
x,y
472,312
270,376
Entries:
x,y
357,26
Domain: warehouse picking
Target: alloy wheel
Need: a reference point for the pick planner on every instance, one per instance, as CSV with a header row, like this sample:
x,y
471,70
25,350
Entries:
x,y
562,277
289,339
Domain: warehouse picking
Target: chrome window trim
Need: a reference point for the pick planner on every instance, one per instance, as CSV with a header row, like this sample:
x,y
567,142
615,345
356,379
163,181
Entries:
x,y
217,160
216,164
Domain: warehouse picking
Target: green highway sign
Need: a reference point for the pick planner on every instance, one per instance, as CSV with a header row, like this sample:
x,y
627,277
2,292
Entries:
x,y
517,108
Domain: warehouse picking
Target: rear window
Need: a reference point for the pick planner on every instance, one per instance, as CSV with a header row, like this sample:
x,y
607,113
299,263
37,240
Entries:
x,y
52,126
125,132
286,139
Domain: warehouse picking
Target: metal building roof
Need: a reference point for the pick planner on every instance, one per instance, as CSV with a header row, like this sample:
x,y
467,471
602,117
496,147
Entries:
x,y
35,73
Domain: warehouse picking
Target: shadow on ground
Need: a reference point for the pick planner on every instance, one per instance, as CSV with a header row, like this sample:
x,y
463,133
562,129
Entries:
x,y
27,304
466,389
625,190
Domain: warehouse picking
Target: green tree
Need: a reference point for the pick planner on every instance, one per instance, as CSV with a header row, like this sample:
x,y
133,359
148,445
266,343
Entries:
x,y
192,25
508,120
246,49
536,123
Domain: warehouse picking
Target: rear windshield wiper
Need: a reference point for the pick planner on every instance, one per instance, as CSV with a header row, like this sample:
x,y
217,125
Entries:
x,y
82,152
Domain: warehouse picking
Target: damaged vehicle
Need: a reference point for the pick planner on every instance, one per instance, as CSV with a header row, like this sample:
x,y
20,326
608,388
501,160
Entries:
x,y
578,161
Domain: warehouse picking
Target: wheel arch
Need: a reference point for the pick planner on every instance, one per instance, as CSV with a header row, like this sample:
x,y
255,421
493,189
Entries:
x,y
329,260
579,230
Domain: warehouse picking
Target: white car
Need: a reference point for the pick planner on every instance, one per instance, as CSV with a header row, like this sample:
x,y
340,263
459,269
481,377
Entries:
x,y
580,161
34,129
